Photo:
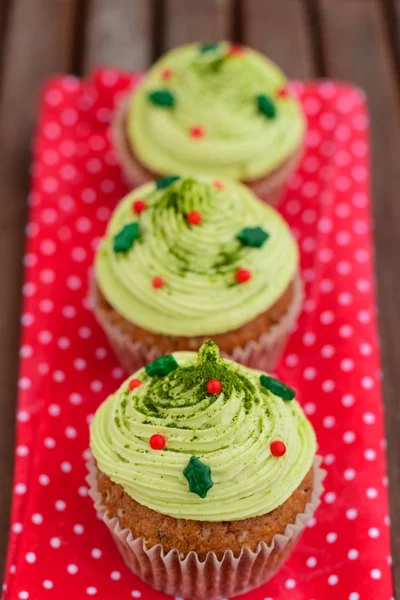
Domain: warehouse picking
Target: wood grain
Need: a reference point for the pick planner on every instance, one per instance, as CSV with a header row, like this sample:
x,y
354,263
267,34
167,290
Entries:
x,y
357,49
280,30
34,48
119,34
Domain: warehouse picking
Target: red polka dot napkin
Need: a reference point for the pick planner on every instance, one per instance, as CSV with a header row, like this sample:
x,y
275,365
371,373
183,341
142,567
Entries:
x,y
58,548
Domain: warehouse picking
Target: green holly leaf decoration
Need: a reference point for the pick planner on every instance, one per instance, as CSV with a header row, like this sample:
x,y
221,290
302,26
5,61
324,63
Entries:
x,y
161,366
124,240
163,98
166,181
266,106
204,48
198,476
277,387
253,237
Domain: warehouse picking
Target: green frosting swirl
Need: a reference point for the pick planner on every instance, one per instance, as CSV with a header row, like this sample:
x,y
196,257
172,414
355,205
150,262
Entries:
x,y
196,262
230,433
219,93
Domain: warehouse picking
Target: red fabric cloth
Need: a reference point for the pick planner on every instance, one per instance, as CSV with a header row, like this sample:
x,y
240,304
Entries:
x,y
58,549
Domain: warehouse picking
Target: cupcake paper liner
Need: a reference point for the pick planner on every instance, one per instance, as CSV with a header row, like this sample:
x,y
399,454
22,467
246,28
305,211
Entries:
x,y
188,577
270,188
263,354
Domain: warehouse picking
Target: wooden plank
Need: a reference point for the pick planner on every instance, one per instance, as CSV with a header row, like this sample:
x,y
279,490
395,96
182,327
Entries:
x,y
37,44
357,49
119,34
205,21
280,30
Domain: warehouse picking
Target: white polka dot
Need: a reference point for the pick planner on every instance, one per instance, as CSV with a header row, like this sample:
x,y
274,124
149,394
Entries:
x,y
325,255
360,200
329,459
331,537
17,527
83,491
343,133
308,244
96,386
44,479
74,282
311,164
290,584
369,418
27,319
343,238
312,522
347,364
333,579
328,351
54,410
366,349
371,493
37,519
63,343
348,400
345,331
55,542
367,383
330,497
53,97
20,489
370,454
343,267
310,408
47,584
78,529
349,474
23,595
22,450
30,259
96,553
115,575
310,190
91,591
326,285
75,399
293,207
60,505
100,353
351,514
71,432
373,532
43,368
49,442
66,467
328,385
327,317
309,373
24,383
349,437
311,562
72,569
328,121
136,594
30,558
52,130
329,422
309,216
80,364
376,574
78,254
352,554
360,227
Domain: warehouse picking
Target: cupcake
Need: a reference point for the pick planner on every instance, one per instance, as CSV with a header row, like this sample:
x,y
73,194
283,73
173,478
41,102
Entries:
x,y
212,108
184,260
205,472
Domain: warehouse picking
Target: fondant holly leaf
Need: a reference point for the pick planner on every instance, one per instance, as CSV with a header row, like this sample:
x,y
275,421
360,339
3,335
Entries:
x,y
266,106
277,387
254,237
166,181
162,98
124,240
204,48
161,366
199,477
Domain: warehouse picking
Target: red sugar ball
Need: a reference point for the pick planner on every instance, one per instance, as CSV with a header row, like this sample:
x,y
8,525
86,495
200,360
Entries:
x,y
197,131
134,383
219,185
214,386
157,441
194,218
166,74
277,448
235,50
283,92
158,282
139,206
242,275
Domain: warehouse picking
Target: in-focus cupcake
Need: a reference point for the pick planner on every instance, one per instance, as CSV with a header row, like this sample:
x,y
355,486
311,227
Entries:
x,y
184,260
205,472
212,108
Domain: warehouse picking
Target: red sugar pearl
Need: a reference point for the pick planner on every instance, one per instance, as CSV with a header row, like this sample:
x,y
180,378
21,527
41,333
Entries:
x,y
139,206
242,275
134,383
277,448
166,74
158,282
214,386
157,441
283,92
218,185
194,217
197,131
235,50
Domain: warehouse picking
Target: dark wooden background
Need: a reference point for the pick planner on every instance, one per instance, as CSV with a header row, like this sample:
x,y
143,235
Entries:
x,y
355,40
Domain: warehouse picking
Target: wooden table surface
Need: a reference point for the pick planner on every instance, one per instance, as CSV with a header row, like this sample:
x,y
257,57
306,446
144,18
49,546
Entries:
x,y
354,40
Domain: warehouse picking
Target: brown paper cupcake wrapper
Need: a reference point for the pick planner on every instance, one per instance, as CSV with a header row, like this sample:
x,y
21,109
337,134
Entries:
x,y
210,579
269,188
263,354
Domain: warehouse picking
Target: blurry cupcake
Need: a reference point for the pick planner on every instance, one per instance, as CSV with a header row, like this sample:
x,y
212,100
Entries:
x,y
205,472
184,260
212,108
